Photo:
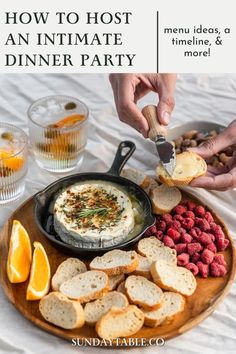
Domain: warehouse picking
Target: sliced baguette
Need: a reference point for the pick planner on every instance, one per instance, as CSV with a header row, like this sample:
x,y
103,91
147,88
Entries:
x,y
116,262
136,176
86,286
96,309
120,322
173,278
121,288
142,292
115,280
62,312
164,199
67,270
144,265
172,304
154,249
152,184
189,165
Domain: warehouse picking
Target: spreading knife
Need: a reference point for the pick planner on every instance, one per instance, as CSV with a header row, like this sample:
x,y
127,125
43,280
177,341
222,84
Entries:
x,y
157,133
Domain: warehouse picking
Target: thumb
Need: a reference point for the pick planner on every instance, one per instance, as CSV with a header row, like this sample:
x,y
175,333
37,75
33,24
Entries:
x,y
214,145
164,109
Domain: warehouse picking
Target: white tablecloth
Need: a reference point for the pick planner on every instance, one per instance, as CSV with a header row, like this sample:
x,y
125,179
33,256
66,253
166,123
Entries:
x,y
200,97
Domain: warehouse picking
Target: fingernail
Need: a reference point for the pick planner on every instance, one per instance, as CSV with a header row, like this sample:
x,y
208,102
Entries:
x,y
166,117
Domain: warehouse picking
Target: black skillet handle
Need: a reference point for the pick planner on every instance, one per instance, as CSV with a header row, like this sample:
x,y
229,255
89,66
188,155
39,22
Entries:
x,y
124,151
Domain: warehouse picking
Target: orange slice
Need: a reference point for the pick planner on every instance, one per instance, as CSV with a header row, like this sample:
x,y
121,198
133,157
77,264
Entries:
x,y
68,121
13,162
19,255
40,274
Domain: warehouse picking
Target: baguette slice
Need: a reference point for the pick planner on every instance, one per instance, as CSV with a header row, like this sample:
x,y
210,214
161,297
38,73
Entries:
x,y
144,265
154,249
120,322
142,292
96,309
86,286
116,262
62,312
115,280
136,176
164,199
121,288
67,270
173,278
189,165
172,304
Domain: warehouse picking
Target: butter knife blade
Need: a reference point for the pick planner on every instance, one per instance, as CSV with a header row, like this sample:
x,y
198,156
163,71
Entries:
x,y
166,152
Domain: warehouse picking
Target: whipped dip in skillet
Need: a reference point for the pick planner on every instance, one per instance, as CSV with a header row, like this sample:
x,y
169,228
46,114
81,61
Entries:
x,y
95,212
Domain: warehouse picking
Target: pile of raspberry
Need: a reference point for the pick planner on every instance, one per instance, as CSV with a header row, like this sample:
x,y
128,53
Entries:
x,y
191,230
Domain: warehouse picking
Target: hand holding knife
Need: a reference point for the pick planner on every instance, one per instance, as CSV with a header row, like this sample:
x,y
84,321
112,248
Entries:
x,y
158,133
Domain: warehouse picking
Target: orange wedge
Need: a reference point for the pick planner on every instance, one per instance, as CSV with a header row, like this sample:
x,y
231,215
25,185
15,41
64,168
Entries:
x,y
13,162
19,255
69,121
40,274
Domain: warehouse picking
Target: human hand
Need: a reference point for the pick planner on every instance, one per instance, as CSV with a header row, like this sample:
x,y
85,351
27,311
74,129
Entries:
x,y
129,88
224,177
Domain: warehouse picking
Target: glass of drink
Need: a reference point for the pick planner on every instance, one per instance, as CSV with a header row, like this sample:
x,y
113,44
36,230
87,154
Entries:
x,y
58,132
13,162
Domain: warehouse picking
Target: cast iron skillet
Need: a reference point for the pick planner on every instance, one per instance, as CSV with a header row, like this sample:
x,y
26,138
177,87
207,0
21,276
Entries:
x,y
43,200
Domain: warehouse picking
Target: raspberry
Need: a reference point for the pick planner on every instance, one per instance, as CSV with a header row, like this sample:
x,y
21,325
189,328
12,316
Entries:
x,y
195,232
216,229
186,238
208,217
199,211
179,209
193,268
193,248
212,247
212,237
159,235
219,258
161,225
174,234
190,205
204,238
168,241
195,258
175,224
182,259
180,248
188,223
167,218
182,231
207,256
178,217
217,270
203,269
189,214
222,244
202,224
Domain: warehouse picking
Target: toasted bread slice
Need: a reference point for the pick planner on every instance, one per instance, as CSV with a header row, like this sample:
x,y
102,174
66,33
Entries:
x,y
164,199
173,278
152,184
144,265
86,286
120,322
115,280
96,309
189,165
143,292
67,270
116,262
154,249
62,312
121,288
136,176
172,304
